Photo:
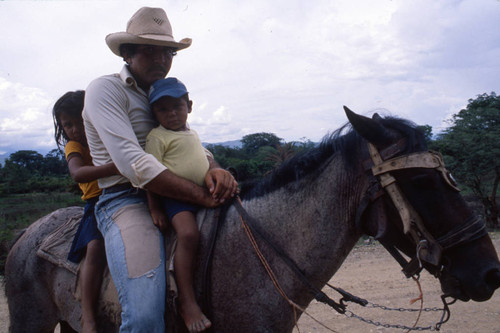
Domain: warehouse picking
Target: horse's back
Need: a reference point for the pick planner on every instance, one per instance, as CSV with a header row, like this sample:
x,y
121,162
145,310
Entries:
x,y
31,301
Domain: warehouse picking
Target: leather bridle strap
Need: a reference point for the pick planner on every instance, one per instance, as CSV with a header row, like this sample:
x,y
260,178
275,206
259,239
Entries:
x,y
430,250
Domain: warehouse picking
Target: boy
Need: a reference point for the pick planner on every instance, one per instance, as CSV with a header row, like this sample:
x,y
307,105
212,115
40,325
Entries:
x,y
178,147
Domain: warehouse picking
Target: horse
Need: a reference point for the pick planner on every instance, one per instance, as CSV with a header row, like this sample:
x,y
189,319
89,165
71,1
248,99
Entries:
x,y
372,176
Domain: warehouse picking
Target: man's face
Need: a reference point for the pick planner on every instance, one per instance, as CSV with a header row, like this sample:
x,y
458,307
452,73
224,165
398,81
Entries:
x,y
150,63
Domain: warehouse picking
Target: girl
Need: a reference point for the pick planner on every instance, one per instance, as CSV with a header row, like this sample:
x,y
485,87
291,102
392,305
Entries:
x,y
69,131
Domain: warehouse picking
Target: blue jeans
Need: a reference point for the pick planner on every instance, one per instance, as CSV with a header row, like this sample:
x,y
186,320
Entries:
x,y
136,258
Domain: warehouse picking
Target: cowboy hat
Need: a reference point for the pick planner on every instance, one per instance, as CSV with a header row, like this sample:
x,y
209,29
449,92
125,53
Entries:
x,y
148,26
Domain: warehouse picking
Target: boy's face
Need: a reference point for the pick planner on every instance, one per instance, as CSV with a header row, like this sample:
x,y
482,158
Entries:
x,y
172,112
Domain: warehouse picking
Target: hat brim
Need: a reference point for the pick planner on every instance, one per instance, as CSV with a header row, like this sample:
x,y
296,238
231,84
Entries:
x,y
114,41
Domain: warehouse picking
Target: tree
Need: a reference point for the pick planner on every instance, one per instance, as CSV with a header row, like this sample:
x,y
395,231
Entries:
x,y
28,159
252,142
471,147
55,163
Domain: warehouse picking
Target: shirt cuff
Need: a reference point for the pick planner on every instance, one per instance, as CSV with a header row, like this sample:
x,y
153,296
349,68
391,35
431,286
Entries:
x,y
146,168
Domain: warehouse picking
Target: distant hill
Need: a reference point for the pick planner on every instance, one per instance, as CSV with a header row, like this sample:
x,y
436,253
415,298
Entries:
x,y
229,144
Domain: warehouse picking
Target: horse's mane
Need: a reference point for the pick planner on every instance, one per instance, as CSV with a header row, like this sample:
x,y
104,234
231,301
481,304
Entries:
x,y
344,141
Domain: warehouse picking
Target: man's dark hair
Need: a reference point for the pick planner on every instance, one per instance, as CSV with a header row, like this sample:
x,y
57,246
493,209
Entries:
x,y
128,49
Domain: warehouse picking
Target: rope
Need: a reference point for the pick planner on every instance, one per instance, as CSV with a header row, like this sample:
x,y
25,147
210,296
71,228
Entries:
x,y
273,277
419,298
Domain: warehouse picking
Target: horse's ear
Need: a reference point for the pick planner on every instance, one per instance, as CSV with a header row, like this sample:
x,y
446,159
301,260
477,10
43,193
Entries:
x,y
369,128
376,117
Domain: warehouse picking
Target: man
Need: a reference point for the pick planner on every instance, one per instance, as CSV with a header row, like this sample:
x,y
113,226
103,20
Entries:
x,y
117,120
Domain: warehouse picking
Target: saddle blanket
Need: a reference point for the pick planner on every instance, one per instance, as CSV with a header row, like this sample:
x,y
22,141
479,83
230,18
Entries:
x,y
55,247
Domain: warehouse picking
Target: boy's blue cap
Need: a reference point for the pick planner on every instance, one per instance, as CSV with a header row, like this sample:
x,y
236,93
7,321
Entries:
x,y
166,87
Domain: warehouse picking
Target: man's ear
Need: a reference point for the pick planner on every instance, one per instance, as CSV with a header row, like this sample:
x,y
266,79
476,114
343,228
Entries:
x,y
190,106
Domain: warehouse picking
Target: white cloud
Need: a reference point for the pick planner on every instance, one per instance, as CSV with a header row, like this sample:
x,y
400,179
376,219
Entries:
x,y
26,117
285,67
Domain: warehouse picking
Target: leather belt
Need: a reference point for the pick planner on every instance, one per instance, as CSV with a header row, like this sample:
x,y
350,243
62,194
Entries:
x,y
117,188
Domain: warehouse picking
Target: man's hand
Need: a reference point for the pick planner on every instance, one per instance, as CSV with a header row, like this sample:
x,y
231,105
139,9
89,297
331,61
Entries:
x,y
221,184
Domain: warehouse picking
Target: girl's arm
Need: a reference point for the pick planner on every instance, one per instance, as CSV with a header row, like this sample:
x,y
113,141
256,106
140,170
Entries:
x,y
86,173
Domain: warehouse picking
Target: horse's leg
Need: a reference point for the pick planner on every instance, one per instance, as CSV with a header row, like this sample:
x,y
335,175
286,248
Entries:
x,y
31,305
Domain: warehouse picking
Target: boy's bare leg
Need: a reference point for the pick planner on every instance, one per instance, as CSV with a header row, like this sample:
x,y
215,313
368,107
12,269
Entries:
x,y
188,236
91,275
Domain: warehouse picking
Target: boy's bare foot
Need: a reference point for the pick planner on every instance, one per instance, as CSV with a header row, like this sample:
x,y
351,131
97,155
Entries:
x,y
194,319
89,327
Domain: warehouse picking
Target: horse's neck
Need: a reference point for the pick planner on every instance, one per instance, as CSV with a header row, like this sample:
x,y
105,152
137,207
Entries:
x,y
311,220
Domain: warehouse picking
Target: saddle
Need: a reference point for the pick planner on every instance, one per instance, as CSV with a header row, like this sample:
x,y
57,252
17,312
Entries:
x,y
55,248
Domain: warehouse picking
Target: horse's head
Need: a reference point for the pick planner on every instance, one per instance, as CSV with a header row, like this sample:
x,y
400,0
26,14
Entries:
x,y
413,206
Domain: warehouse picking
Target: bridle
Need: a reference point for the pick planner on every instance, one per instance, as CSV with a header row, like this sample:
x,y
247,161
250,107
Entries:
x,y
428,249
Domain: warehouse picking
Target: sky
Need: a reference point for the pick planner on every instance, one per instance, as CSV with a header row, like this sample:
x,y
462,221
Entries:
x,y
284,66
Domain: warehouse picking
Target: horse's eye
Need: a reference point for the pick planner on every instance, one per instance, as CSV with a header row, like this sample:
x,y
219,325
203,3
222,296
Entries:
x,y
423,182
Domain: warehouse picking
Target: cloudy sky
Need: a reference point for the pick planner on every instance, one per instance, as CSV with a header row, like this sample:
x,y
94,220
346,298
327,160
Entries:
x,y
281,66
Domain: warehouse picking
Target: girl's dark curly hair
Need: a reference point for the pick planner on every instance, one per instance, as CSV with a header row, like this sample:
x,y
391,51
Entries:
x,y
71,103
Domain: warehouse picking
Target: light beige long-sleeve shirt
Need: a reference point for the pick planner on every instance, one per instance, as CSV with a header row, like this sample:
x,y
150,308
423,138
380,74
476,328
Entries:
x,y
117,120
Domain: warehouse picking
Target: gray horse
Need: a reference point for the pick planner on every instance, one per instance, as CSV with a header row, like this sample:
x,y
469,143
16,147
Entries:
x,y
306,217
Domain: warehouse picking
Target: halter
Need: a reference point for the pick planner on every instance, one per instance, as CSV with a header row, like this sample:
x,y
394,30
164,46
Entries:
x,y
428,249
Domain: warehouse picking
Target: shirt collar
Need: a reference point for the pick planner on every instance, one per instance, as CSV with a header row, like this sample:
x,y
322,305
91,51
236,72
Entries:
x,y
129,79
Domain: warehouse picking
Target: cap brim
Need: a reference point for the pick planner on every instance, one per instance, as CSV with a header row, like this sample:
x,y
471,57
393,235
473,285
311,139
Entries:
x,y
114,41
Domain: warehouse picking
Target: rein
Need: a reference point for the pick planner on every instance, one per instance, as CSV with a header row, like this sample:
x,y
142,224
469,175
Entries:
x,y
252,225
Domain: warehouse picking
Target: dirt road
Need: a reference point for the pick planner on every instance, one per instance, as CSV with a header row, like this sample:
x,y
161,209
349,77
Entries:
x,y
369,272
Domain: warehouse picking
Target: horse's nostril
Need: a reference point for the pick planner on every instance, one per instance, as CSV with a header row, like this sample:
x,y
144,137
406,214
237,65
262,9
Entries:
x,y
493,278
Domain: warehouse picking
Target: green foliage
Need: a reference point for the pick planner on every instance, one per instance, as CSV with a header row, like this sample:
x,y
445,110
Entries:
x,y
253,142
471,148
18,211
27,171
260,154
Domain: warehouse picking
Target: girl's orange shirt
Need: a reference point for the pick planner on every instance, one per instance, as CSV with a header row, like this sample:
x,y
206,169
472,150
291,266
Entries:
x,y
91,189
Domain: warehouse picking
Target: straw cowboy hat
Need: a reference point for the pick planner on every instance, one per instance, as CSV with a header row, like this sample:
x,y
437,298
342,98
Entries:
x,y
147,26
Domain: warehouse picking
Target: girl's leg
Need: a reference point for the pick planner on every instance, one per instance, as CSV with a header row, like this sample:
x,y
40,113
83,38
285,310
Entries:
x,y
187,244
91,277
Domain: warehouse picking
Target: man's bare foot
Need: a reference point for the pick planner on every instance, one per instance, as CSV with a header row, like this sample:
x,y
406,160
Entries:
x,y
194,319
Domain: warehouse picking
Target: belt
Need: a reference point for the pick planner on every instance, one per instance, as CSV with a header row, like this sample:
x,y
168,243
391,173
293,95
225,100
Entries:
x,y
117,188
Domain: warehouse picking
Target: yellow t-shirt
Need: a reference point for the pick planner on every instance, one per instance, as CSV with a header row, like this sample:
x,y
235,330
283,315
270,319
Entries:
x,y
91,189
180,151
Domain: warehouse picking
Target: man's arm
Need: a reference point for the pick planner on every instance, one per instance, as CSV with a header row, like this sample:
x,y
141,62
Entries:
x,y
169,185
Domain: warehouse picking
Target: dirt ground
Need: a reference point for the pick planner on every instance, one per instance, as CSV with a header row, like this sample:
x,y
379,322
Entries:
x,y
369,272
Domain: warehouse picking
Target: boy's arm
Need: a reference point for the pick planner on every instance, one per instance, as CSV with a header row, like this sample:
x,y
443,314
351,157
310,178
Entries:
x,y
157,211
82,173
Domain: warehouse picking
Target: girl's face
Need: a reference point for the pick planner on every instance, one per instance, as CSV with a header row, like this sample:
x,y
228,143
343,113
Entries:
x,y
172,112
73,128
